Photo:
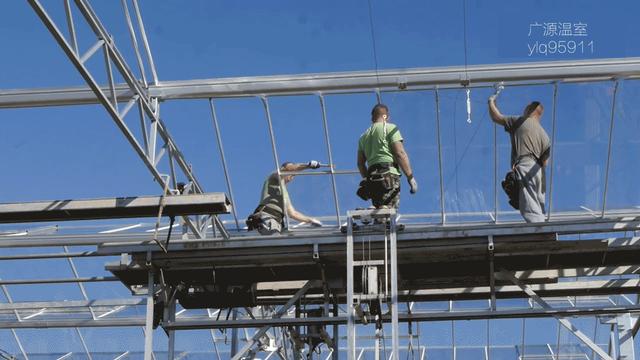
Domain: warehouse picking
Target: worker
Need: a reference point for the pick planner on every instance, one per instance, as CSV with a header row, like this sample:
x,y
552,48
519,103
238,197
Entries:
x,y
530,149
268,217
380,153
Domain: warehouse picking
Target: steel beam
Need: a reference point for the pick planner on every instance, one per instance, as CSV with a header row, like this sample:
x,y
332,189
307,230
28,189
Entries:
x,y
143,206
355,81
205,322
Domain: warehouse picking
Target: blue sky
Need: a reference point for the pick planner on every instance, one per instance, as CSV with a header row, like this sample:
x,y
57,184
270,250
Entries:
x,y
77,152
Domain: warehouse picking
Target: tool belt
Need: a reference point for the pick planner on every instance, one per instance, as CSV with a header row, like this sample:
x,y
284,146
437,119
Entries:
x,y
254,220
379,180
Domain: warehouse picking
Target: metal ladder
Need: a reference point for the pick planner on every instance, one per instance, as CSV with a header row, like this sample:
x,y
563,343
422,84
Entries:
x,y
390,265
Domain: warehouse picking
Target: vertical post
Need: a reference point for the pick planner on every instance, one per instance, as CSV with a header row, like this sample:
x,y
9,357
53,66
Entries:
x,y
234,335
524,328
224,162
148,333
330,155
495,173
336,344
606,178
265,102
72,29
351,325
145,42
553,146
557,356
171,308
395,343
443,215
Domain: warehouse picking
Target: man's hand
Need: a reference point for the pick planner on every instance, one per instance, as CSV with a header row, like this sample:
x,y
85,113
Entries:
x,y
413,184
315,222
493,97
313,164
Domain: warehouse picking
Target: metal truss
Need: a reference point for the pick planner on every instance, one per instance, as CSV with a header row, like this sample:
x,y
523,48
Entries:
x,y
147,105
156,147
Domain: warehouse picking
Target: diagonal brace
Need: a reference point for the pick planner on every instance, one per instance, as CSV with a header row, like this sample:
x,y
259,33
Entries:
x,y
564,321
283,310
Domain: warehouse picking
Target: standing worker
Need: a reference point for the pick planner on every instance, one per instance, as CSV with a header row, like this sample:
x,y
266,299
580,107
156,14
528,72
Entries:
x,y
380,152
530,149
268,217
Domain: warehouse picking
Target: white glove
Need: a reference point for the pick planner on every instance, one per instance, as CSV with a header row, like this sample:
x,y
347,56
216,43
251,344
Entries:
x,y
413,184
315,222
313,164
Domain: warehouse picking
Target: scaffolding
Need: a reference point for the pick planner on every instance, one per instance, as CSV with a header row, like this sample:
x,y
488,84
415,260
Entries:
x,y
294,294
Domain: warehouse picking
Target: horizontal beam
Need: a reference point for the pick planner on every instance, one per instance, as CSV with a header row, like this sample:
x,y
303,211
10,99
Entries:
x,y
212,323
114,208
72,304
356,81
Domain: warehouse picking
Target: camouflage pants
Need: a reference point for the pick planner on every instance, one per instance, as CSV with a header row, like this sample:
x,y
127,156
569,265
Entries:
x,y
385,192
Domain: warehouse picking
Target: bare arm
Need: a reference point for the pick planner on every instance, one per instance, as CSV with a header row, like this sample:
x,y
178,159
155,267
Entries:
x,y
401,158
362,164
495,113
296,215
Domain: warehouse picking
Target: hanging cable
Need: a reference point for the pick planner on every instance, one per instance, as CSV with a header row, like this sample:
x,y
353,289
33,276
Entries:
x,y
375,52
466,81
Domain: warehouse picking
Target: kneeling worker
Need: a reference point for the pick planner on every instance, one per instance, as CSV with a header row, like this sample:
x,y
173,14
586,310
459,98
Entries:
x,y
380,152
530,149
268,217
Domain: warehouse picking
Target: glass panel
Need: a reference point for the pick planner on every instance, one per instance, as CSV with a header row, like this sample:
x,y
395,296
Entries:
x,y
580,155
623,193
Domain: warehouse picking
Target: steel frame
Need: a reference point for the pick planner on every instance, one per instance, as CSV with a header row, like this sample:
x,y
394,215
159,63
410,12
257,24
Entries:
x,y
146,96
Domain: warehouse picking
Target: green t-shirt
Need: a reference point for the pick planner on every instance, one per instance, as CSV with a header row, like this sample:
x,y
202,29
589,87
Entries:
x,y
376,142
272,195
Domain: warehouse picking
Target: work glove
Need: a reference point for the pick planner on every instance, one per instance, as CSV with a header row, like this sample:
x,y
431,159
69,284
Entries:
x,y
413,184
315,222
313,164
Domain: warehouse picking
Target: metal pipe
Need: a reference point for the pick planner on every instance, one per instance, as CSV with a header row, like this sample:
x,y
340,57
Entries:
x,y
321,172
495,173
606,179
59,281
145,42
134,41
553,145
112,85
442,209
265,102
148,324
72,29
223,158
330,155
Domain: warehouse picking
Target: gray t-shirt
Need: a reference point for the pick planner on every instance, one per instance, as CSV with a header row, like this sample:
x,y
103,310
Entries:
x,y
528,138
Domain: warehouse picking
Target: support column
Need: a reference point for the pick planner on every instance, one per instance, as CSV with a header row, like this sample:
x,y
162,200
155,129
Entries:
x,y
395,342
171,312
148,333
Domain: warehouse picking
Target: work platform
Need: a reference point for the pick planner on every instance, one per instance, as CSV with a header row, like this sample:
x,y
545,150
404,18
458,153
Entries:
x,y
435,262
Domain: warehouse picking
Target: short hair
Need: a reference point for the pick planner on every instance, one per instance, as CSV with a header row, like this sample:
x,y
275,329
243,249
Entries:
x,y
531,108
379,110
